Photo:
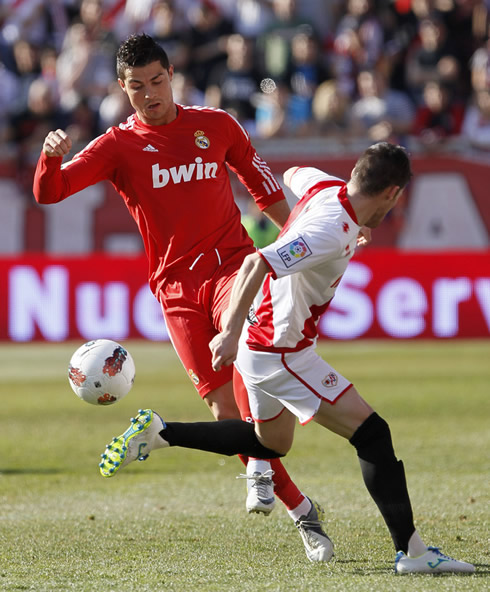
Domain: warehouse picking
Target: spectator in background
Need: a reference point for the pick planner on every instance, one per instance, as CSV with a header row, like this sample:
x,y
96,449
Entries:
x,y
48,59
185,91
250,18
422,9
308,71
9,92
87,60
168,31
74,67
330,110
28,127
233,83
439,117
131,16
82,123
358,43
26,61
466,22
274,45
271,110
380,113
91,15
431,57
207,41
400,28
476,123
113,108
480,65
39,22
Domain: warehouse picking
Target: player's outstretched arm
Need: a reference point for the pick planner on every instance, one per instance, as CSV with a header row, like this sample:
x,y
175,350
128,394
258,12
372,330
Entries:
x,y
54,180
224,346
278,212
57,143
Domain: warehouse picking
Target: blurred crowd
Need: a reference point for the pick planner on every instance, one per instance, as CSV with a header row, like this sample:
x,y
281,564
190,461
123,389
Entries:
x,y
380,69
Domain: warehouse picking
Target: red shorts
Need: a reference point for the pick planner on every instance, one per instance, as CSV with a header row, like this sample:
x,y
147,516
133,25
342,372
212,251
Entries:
x,y
193,301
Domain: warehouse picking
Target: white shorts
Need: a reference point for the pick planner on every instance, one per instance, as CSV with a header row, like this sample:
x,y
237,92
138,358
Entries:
x,y
299,381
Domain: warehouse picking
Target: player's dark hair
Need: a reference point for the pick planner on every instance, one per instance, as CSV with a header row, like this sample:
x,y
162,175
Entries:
x,y
382,165
137,51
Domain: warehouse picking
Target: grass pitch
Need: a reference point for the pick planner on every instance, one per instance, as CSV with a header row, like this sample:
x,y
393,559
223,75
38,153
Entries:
x,y
177,522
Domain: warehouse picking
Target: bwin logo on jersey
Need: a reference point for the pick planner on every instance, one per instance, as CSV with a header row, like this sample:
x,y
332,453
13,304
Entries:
x,y
194,171
295,251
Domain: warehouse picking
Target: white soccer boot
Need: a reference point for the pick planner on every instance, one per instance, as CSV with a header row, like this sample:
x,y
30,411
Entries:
x,y
430,562
260,492
136,443
317,544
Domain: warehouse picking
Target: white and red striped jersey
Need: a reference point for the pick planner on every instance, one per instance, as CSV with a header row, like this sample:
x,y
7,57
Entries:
x,y
174,181
307,262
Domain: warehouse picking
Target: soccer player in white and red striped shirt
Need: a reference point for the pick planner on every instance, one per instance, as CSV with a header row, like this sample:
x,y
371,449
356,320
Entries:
x,y
290,283
170,164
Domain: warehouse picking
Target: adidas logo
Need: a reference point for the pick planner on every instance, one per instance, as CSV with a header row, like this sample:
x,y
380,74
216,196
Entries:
x,y
150,148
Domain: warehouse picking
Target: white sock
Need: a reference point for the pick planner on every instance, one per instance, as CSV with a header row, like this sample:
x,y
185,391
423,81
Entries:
x,y
256,465
301,510
158,441
416,545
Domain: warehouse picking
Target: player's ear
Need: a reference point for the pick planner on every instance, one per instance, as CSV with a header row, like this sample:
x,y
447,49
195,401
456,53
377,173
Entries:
x,y
170,72
121,84
393,192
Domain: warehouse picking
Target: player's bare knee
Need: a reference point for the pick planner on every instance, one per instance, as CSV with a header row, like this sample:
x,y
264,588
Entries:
x,y
280,445
222,406
224,412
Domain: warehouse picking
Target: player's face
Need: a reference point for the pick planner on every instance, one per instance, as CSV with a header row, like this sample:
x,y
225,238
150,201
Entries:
x,y
386,204
150,93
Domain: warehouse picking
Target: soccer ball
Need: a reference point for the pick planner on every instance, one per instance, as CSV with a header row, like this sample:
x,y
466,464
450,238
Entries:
x,y
101,372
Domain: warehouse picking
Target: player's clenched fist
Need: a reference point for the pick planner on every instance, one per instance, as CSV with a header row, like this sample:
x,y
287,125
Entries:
x,y
57,143
224,349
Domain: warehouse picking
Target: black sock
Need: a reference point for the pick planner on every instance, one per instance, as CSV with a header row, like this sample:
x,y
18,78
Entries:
x,y
384,477
228,437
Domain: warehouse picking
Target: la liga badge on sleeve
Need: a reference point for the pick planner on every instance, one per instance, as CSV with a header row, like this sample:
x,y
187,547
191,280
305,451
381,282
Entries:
x,y
295,251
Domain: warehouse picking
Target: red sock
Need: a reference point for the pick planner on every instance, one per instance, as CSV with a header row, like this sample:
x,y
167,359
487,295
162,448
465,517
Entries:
x,y
284,487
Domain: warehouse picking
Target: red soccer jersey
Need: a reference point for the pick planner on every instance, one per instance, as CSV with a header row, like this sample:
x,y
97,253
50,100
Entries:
x,y
174,181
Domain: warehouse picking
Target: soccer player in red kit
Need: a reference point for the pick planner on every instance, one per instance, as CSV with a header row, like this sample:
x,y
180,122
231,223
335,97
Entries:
x,y
169,164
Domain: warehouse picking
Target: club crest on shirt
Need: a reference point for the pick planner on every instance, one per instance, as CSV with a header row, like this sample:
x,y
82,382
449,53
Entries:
x,y
201,140
330,380
294,251
193,376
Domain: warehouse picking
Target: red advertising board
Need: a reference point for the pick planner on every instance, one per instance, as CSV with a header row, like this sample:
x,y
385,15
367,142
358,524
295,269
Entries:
x,y
384,294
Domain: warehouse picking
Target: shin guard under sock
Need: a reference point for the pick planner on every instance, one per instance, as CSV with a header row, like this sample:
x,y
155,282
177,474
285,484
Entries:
x,y
228,437
384,477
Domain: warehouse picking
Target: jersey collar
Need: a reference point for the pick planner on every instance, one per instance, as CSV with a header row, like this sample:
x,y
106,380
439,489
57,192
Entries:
x,y
344,200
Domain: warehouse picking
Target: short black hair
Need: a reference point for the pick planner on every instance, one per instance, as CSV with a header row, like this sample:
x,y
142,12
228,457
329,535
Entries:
x,y
137,51
381,166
